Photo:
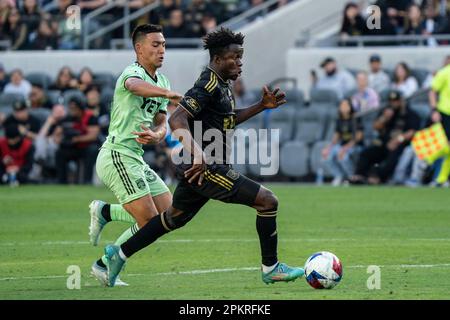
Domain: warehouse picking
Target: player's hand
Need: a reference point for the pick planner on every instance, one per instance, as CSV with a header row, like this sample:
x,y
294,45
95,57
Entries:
x,y
174,97
147,136
272,99
196,172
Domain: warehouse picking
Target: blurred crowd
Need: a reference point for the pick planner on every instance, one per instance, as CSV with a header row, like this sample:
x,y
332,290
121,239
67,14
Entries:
x,y
393,105
42,24
397,17
51,130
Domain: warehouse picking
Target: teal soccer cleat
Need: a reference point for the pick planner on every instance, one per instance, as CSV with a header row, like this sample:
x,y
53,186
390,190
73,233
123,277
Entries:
x,y
115,264
97,221
282,273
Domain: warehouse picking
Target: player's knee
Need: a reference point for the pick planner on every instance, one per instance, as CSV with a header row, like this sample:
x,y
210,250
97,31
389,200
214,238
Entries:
x,y
176,219
270,201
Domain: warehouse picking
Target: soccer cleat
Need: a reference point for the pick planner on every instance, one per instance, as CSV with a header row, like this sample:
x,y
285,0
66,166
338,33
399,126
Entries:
x,y
115,264
101,274
97,221
282,273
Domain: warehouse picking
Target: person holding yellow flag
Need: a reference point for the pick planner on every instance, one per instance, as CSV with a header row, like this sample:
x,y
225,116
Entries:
x,y
441,112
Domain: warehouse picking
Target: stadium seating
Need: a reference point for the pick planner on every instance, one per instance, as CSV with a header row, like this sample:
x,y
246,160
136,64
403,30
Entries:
x,y
69,94
316,156
39,78
310,125
294,156
282,119
7,99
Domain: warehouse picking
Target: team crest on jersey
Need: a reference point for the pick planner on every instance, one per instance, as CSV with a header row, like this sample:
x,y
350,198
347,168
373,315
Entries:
x,y
192,103
234,175
140,183
149,176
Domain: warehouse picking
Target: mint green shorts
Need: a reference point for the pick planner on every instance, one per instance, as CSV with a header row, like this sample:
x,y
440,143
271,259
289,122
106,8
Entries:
x,y
128,178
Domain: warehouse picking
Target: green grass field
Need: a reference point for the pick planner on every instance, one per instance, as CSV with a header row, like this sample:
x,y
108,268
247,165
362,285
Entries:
x,y
44,229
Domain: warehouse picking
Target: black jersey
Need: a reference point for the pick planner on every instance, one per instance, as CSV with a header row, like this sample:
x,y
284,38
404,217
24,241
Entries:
x,y
211,104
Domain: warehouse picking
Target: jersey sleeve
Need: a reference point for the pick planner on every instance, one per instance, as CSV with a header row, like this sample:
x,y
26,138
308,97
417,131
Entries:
x,y
196,100
132,72
165,102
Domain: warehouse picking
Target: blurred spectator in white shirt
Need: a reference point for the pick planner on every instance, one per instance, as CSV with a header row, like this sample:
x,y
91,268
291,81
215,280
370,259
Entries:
x,y
378,79
18,84
404,81
340,81
365,98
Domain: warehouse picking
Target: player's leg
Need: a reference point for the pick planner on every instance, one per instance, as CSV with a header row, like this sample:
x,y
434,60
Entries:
x,y
156,227
237,188
162,203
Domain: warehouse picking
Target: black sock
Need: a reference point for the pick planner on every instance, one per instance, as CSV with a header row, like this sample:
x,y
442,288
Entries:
x,y
145,236
100,263
266,225
106,212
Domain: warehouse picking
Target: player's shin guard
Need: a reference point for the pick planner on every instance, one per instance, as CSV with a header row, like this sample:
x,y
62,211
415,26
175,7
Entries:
x,y
155,228
266,225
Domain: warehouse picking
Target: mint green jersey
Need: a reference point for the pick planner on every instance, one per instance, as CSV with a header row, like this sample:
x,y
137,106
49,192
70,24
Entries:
x,y
129,111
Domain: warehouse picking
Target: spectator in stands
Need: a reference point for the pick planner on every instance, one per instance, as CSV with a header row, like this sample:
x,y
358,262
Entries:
x,y
18,84
79,143
365,98
396,11
27,124
209,24
5,7
65,80
404,81
16,30
396,126
164,10
414,25
69,37
47,143
178,28
347,141
194,13
386,29
85,79
3,77
94,104
378,79
353,23
31,15
340,81
38,98
243,97
16,155
433,24
45,38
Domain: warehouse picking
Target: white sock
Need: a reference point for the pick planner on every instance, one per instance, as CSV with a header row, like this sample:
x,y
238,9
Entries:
x,y
267,269
122,255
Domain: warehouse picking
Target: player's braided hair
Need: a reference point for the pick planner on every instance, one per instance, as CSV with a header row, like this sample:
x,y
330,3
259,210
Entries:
x,y
218,41
144,29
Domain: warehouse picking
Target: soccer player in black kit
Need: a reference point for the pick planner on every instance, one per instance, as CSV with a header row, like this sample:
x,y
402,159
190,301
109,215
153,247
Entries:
x,y
211,102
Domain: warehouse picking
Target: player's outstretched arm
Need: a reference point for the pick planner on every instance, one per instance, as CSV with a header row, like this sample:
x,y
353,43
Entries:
x,y
144,89
179,125
270,100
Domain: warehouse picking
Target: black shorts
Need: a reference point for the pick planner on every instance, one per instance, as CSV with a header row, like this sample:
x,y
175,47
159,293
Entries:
x,y
446,124
221,182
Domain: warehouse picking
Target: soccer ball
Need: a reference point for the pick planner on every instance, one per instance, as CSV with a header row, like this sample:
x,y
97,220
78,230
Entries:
x,y
323,270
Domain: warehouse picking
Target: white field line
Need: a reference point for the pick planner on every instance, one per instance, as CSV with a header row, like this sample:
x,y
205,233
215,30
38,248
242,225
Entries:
x,y
205,271
72,243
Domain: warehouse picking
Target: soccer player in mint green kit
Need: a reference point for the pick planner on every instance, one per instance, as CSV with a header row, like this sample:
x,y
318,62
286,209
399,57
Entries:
x,y
140,102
